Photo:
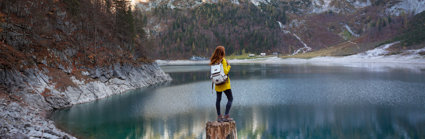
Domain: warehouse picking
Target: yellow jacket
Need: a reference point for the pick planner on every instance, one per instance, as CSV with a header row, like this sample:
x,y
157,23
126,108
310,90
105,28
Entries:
x,y
226,85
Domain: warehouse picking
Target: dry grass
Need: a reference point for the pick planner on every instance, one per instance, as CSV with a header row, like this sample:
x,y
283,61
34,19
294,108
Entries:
x,y
60,78
341,49
10,57
243,56
46,92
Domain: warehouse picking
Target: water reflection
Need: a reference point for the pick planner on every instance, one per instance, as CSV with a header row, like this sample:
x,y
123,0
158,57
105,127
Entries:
x,y
271,101
307,121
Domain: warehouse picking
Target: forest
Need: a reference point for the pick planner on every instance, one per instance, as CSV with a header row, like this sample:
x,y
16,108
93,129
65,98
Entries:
x,y
241,28
82,33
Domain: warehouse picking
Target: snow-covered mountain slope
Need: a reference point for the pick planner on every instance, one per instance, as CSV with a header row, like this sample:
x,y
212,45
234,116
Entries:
x,y
393,7
338,6
258,2
407,6
302,25
181,4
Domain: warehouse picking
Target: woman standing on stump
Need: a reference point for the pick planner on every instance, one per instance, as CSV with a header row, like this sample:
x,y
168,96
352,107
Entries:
x,y
218,58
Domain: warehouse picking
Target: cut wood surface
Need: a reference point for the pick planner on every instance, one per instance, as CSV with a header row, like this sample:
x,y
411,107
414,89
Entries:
x,y
221,130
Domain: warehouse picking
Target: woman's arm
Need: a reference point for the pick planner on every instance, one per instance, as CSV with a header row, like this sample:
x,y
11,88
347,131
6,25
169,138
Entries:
x,y
226,67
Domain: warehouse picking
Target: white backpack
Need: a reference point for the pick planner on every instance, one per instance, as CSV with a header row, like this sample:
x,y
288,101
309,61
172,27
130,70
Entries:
x,y
217,74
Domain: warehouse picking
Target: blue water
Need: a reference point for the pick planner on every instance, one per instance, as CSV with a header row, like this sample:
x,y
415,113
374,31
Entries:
x,y
270,101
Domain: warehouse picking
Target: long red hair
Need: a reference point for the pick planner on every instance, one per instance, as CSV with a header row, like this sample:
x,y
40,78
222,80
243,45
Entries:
x,y
218,55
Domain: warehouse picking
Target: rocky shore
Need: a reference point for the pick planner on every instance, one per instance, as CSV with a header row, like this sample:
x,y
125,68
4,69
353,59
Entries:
x,y
54,54
34,93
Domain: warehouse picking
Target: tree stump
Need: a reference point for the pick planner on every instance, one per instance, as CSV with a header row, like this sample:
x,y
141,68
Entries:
x,y
221,130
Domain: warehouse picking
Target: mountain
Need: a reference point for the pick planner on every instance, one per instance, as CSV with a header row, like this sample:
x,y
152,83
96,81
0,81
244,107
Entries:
x,y
181,29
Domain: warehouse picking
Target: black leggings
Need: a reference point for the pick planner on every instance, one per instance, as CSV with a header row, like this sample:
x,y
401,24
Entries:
x,y
229,101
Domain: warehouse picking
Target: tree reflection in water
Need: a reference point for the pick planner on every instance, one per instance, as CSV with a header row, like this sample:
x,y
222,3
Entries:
x,y
270,102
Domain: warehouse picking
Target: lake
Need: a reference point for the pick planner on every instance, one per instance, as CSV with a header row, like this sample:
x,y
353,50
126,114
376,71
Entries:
x,y
270,101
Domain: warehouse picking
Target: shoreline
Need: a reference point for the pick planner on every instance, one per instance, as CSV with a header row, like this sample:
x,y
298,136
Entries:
x,y
26,112
414,63
315,60
379,55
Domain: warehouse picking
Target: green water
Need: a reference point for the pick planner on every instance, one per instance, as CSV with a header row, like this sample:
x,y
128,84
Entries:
x,y
270,101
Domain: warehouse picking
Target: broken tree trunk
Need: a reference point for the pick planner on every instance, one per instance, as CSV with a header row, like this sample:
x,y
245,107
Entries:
x,y
221,130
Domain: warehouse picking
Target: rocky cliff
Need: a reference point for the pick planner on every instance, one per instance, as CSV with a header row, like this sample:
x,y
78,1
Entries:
x,y
95,83
54,54
32,94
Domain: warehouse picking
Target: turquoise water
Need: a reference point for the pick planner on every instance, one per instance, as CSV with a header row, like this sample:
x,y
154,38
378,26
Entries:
x,y
270,101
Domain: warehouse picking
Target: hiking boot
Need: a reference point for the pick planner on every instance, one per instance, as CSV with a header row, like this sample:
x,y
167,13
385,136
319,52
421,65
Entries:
x,y
227,118
220,118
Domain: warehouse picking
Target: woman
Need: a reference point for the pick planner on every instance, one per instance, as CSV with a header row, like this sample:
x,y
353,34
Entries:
x,y
217,58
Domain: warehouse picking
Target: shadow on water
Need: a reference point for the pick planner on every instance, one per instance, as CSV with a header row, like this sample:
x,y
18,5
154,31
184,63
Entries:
x,y
271,101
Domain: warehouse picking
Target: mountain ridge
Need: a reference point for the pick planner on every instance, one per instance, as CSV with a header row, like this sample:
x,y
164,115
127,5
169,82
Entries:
x,y
361,21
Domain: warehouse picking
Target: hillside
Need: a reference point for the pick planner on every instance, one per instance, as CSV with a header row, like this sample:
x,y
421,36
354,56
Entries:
x,y
77,33
181,29
57,53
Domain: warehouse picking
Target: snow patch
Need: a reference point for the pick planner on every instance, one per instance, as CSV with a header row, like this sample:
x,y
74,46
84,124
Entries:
x,y
149,5
258,2
235,2
170,4
375,59
320,6
351,31
296,23
416,52
379,51
304,49
409,6
283,28
358,4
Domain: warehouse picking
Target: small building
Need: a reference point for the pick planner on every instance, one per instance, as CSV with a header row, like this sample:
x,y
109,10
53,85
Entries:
x,y
251,55
262,54
276,53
